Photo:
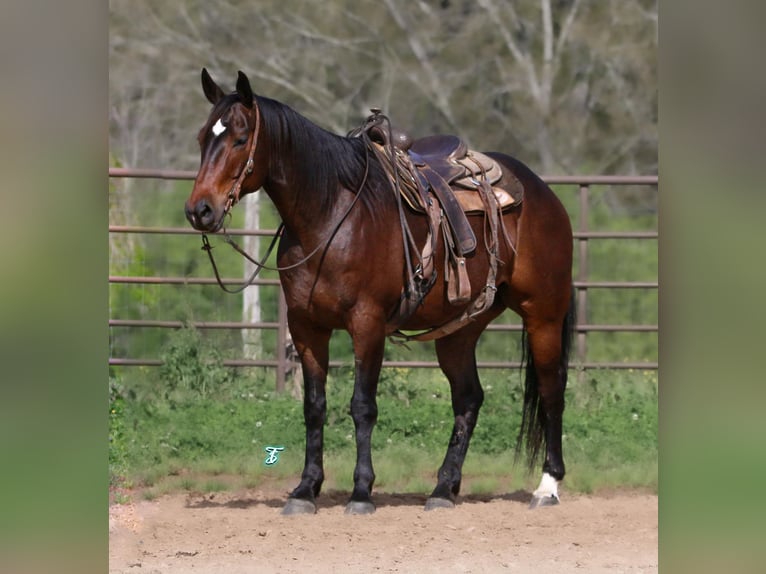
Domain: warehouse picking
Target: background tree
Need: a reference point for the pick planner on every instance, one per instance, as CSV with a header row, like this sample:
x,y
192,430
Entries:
x,y
567,85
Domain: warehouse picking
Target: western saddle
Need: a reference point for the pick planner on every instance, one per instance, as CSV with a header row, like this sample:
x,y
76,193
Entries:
x,y
461,181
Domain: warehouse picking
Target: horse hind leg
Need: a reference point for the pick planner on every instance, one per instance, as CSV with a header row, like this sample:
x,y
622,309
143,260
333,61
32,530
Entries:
x,y
546,349
457,359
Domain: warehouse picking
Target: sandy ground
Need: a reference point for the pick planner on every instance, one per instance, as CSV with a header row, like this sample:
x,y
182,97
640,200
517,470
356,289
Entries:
x,y
243,532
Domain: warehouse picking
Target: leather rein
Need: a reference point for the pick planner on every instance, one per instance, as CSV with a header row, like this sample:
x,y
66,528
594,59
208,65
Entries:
x,y
233,198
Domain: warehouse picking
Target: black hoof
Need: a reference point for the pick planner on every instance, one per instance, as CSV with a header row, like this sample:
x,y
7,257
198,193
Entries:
x,y
538,502
295,506
435,502
356,507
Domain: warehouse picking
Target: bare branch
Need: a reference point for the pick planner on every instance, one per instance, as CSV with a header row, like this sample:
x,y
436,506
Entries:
x,y
545,10
547,72
438,89
521,58
566,29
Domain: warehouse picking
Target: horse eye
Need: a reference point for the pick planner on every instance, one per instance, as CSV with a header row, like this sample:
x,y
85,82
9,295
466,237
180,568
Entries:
x,y
240,142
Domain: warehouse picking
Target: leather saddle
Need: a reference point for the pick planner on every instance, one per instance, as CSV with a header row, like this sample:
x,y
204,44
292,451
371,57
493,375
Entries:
x,y
444,165
465,170
440,177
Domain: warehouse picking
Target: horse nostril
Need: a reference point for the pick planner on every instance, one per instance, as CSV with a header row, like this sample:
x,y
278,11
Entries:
x,y
203,210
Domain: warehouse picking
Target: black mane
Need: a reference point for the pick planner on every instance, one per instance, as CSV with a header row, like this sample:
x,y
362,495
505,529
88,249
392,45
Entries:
x,y
327,161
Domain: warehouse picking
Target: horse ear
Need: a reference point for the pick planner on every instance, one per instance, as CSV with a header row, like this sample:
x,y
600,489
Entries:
x,y
212,91
244,90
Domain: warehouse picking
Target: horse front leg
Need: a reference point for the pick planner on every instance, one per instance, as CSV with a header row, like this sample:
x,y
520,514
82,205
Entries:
x,y
369,343
313,348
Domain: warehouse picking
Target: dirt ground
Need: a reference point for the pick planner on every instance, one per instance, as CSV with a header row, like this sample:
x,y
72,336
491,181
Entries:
x,y
243,532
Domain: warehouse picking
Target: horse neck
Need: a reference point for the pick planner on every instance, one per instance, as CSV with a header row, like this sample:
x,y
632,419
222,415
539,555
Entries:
x,y
306,172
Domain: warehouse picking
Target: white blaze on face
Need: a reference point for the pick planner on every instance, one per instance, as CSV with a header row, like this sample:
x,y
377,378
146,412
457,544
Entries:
x,y
218,128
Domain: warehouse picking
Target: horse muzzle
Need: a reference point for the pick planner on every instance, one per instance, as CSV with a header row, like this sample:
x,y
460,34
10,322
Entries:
x,y
203,216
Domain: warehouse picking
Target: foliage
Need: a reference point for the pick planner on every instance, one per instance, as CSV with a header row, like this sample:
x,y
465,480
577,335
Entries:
x,y
610,430
118,438
191,367
565,86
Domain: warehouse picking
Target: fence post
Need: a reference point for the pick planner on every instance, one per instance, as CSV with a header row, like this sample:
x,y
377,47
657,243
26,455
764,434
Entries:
x,y
582,274
281,350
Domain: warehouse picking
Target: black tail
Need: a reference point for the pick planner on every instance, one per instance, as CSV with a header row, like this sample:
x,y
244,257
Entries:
x,y
532,433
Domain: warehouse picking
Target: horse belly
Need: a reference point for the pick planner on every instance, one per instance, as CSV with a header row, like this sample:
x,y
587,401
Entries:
x,y
330,300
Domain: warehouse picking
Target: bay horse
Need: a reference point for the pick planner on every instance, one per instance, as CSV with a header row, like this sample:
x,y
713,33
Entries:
x,y
342,260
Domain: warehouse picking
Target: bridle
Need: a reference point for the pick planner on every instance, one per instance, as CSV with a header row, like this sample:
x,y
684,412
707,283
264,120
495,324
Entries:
x,y
247,169
233,198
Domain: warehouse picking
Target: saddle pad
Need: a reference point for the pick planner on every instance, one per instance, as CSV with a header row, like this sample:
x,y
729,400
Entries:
x,y
471,202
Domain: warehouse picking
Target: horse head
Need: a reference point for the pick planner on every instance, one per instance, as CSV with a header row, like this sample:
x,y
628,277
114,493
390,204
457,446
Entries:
x,y
231,163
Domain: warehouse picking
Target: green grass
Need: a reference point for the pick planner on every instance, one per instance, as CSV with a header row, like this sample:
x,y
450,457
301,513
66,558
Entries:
x,y
211,441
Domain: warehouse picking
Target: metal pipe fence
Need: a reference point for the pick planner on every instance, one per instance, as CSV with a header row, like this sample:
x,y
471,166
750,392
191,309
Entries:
x,y
283,362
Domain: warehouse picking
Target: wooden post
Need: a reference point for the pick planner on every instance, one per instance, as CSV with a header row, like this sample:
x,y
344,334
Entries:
x,y
582,275
281,349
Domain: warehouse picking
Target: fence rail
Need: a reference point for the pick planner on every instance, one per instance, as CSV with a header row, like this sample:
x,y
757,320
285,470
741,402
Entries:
x,y
283,363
